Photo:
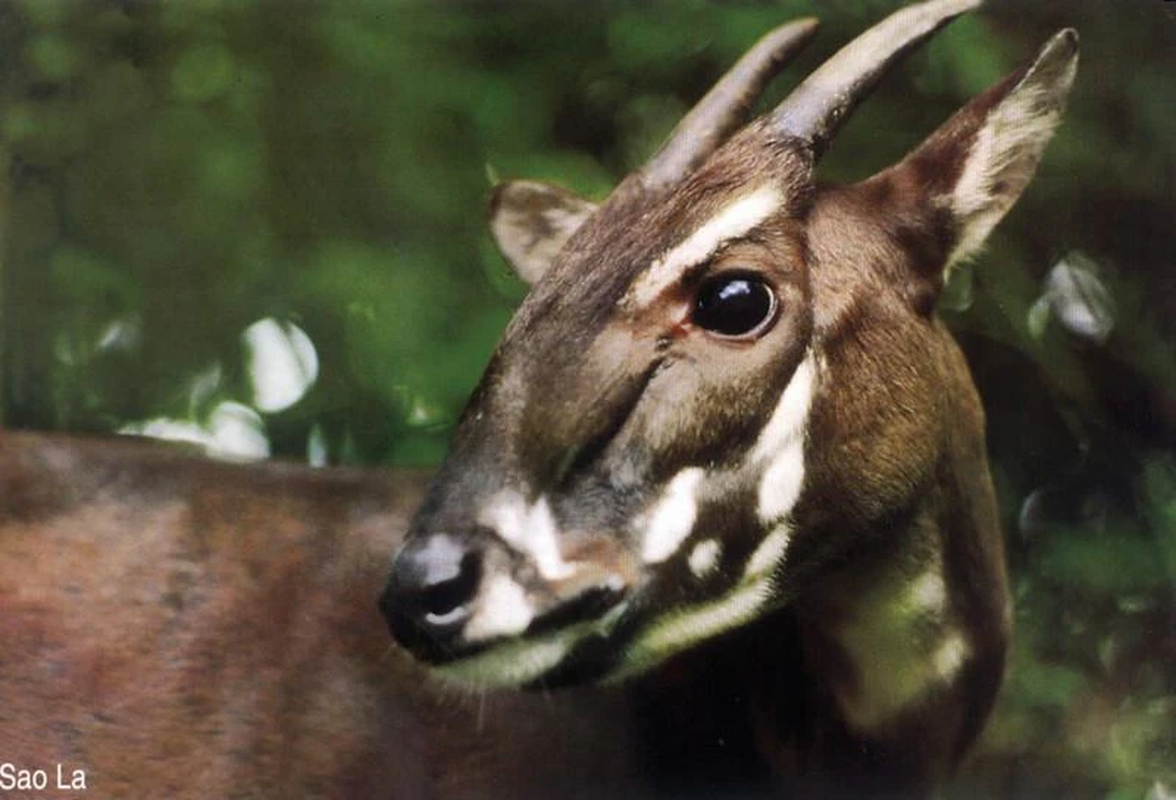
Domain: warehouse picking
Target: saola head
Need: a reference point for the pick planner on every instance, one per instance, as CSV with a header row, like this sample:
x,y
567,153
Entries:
x,y
716,368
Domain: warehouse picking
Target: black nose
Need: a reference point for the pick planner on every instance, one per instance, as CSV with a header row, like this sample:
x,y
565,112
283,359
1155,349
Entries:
x,y
430,592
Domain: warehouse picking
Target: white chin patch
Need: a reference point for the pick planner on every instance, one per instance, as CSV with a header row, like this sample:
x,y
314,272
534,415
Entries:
x,y
510,664
522,661
672,519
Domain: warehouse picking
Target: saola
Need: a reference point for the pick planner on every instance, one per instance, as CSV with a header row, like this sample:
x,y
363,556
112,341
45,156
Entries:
x,y
726,419
725,459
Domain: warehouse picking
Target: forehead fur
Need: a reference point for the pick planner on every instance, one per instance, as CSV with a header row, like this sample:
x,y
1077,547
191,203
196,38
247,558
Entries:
x,y
575,359
633,228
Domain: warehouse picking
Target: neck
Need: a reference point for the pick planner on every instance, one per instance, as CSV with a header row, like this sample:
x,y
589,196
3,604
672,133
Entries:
x,y
891,631
906,642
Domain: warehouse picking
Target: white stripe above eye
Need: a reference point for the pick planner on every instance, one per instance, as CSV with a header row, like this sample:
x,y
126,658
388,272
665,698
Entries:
x,y
736,219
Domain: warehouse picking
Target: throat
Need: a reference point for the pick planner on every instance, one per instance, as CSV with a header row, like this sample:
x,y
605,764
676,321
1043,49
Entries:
x,y
891,644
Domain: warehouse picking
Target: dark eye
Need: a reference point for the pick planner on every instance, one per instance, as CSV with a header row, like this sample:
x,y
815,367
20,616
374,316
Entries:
x,y
734,305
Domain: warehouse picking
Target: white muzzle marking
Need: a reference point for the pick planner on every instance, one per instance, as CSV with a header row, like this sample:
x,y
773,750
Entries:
x,y
529,530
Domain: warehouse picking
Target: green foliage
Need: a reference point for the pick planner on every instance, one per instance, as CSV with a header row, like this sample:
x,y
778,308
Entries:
x,y
180,170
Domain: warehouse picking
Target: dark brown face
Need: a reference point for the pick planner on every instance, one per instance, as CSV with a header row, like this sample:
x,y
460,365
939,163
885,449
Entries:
x,y
621,483
719,380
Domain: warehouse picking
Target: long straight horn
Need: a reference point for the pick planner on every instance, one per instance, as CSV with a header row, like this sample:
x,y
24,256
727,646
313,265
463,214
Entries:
x,y
725,106
816,108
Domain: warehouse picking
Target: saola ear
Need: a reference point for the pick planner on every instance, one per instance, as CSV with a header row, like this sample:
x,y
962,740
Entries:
x,y
531,221
977,164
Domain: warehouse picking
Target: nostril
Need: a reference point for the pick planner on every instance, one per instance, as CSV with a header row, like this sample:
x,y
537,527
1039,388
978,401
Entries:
x,y
447,592
434,581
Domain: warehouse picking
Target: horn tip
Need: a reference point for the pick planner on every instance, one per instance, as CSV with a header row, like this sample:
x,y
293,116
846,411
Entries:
x,y
1059,53
946,9
1066,41
794,32
955,7
806,25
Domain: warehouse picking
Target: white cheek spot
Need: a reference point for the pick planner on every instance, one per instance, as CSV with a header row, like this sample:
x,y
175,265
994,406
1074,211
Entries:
x,y
736,219
503,610
531,531
704,557
672,518
781,444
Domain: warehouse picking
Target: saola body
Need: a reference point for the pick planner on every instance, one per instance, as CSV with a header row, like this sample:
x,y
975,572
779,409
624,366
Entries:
x,y
726,413
174,627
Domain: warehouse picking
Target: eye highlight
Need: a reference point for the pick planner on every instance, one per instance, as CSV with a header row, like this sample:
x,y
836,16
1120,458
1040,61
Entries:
x,y
734,305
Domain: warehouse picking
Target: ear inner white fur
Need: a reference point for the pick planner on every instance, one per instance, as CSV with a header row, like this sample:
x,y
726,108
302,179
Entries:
x,y
1010,144
531,222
